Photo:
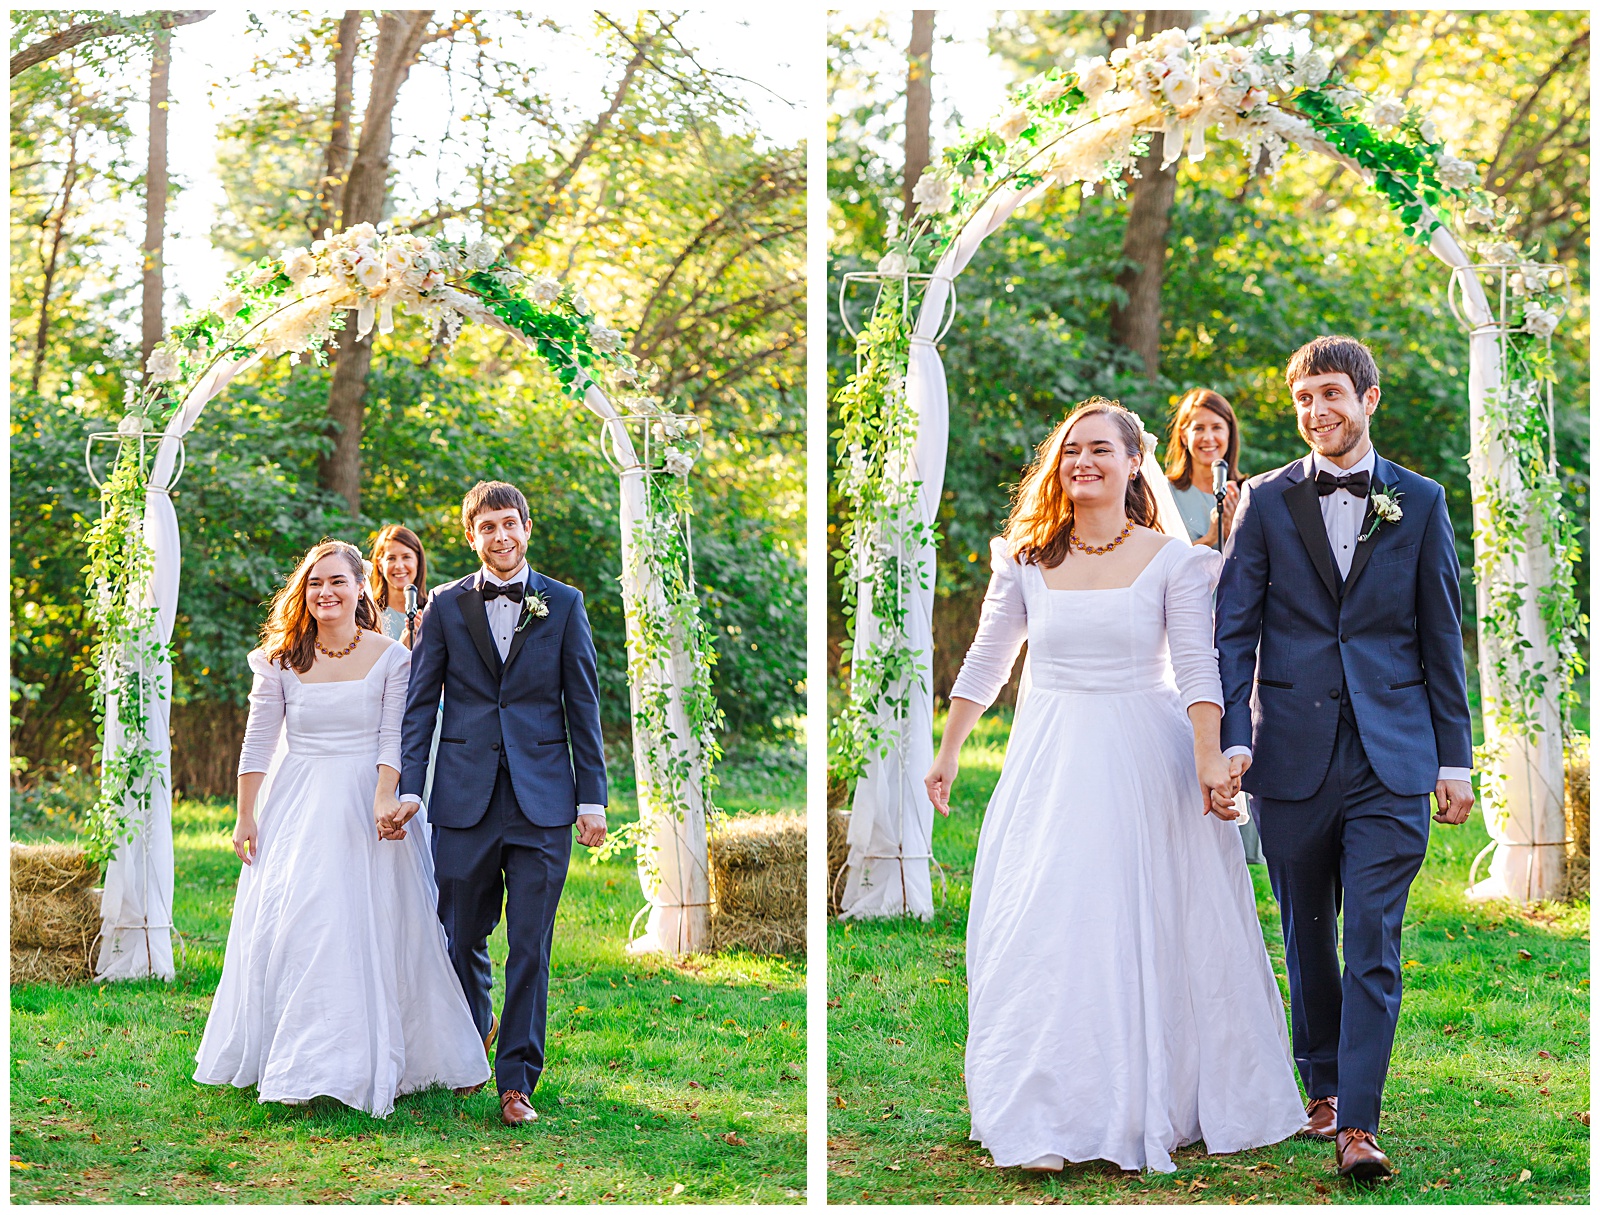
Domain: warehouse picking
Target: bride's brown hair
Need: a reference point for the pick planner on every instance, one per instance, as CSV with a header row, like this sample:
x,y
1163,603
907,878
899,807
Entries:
x,y
1041,512
289,637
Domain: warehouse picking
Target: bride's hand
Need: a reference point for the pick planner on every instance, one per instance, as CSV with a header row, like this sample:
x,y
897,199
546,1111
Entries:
x,y
939,780
1217,784
385,809
244,838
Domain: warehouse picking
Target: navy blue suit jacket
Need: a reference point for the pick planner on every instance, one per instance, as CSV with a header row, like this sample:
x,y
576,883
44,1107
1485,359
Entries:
x,y
541,706
1291,635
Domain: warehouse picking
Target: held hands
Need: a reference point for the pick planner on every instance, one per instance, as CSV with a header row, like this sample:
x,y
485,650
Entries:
x,y
1455,801
244,838
389,817
939,780
591,830
1218,784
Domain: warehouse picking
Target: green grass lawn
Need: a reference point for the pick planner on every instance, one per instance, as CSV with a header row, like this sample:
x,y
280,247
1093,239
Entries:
x,y
665,1080
1488,1092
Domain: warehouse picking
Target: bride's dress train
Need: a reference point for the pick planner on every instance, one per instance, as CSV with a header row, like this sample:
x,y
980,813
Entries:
x,y
1121,1003
335,981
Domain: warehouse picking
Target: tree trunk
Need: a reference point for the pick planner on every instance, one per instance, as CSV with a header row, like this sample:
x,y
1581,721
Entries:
x,y
919,104
155,195
400,34
69,178
330,190
1137,324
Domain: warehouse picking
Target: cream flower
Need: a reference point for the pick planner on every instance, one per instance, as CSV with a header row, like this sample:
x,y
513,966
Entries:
x,y
545,290
1429,132
933,195
892,263
1386,113
604,338
1500,253
580,303
1479,215
481,254
360,234
1540,321
299,265
1455,173
678,463
1013,123
1049,91
1180,88
1095,77
230,304
1313,69
163,365
1213,74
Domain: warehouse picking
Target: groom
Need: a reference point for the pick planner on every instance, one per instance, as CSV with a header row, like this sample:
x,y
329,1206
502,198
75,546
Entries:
x,y
510,650
1340,602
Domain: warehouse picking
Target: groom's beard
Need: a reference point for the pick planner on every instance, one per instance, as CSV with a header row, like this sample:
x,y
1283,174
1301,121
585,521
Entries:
x,y
1336,443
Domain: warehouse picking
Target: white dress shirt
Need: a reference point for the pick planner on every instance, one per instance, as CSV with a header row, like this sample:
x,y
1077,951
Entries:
x,y
503,614
1342,515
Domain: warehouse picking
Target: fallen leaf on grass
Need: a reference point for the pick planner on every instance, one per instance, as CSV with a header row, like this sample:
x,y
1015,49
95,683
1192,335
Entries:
x,y
1197,1184
1525,1175
840,1102
695,1084
677,1189
1544,1054
731,1139
894,1168
1524,955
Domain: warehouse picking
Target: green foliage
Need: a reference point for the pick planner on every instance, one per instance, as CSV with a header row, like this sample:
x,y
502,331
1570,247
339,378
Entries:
x,y
650,1063
1489,1074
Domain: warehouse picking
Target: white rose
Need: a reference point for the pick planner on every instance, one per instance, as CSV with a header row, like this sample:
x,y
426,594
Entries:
x,y
1147,78
1518,287
230,304
674,427
367,270
1049,91
1386,112
360,234
679,463
508,278
1500,254
1180,88
892,263
1313,69
1455,173
1095,77
299,265
396,260
1479,215
1120,56
545,290
1429,132
1344,98
933,194
1013,123
1540,321
163,365
1170,40
641,406
1212,74
580,303
263,274
482,253
604,338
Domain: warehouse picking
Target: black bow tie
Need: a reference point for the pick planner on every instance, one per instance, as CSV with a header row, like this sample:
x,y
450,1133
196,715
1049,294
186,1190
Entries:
x,y
1358,483
514,592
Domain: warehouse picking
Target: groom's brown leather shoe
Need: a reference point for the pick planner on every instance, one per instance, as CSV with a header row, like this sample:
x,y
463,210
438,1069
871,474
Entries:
x,y
1322,1119
494,1032
1358,1156
514,1108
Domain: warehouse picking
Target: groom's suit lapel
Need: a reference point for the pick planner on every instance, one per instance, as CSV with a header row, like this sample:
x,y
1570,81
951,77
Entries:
x,y
1382,478
477,622
519,638
1301,499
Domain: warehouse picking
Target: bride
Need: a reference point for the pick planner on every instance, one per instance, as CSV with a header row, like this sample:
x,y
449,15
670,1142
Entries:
x,y
1121,1004
335,981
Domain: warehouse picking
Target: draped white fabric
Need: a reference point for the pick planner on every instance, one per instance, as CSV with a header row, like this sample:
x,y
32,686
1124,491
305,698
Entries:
x,y
891,824
136,908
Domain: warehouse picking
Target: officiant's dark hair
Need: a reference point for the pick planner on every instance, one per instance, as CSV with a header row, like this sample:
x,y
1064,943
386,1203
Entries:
x,y
1041,511
289,637
1326,355
491,495
1180,460
397,533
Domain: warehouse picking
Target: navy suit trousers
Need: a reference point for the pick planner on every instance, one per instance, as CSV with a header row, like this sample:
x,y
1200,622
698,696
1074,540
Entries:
x,y
1352,842
504,858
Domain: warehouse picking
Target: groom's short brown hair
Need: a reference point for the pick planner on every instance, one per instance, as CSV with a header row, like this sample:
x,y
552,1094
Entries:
x,y
491,495
1326,355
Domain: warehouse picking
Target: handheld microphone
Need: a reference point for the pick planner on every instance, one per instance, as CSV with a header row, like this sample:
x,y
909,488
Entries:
x,y
1219,478
411,599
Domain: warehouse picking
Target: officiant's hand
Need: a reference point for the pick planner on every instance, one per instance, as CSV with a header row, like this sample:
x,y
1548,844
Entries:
x,y
1455,801
591,830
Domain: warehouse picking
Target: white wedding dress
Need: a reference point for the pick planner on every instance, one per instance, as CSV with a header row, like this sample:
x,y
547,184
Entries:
x,y
1121,1003
335,981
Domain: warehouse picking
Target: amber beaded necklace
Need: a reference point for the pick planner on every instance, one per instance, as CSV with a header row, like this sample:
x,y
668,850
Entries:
x,y
339,653
1100,549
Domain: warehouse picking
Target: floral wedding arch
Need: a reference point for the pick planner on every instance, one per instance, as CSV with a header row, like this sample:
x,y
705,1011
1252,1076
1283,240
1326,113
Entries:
x,y
292,305
1087,126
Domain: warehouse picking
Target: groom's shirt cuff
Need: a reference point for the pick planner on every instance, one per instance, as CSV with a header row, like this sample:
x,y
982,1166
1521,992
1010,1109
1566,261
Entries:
x,y
1456,774
1232,751
410,799
586,808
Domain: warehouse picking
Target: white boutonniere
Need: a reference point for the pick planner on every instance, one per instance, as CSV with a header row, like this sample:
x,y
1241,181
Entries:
x,y
533,605
1385,509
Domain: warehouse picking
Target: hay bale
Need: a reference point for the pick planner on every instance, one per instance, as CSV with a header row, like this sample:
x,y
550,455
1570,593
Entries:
x,y
1577,772
838,853
56,967
69,921
50,869
758,882
55,914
